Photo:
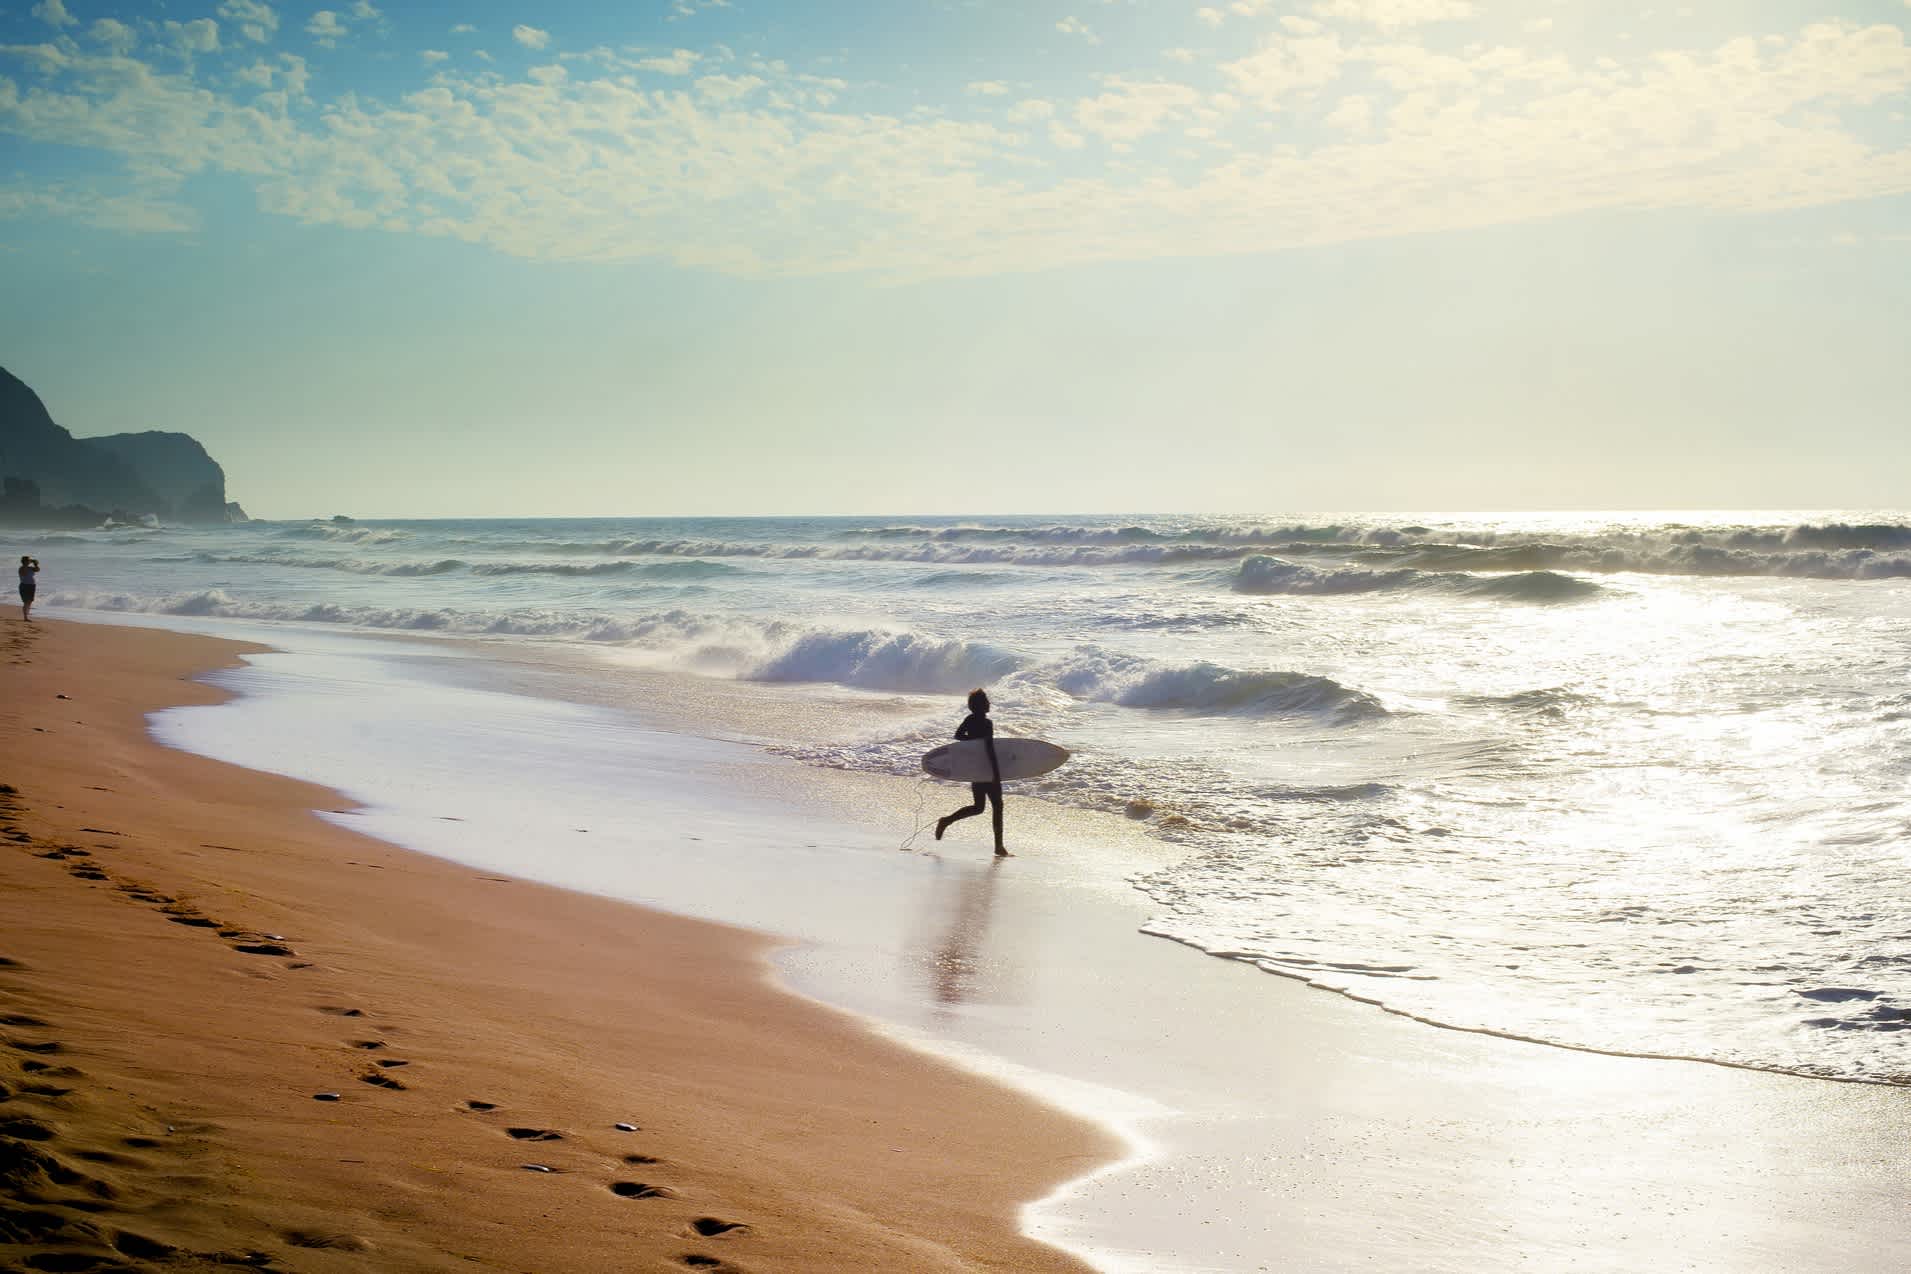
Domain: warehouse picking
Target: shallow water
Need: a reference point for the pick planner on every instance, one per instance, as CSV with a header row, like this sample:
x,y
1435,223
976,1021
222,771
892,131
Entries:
x,y
1636,783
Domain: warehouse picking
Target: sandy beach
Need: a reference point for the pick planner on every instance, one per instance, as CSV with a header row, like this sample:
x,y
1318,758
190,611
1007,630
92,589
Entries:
x,y
193,963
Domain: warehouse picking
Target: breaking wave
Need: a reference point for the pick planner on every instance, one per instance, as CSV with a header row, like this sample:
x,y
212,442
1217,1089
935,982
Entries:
x,y
1202,687
887,659
1262,574
1854,550
340,534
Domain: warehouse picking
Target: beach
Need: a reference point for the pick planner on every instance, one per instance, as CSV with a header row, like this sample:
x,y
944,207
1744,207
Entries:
x,y
192,958
1222,1120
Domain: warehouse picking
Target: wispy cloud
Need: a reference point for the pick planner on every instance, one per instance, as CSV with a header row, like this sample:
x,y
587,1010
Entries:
x,y
530,37
749,166
113,34
1075,26
327,28
256,21
1392,15
130,212
201,35
54,14
676,62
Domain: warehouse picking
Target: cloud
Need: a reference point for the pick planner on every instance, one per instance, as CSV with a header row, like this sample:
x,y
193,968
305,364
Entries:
x,y
986,88
1286,65
1075,26
255,20
676,62
201,35
727,88
690,8
114,35
530,37
1354,114
1128,111
463,28
765,171
127,212
431,57
54,14
327,28
363,11
1391,15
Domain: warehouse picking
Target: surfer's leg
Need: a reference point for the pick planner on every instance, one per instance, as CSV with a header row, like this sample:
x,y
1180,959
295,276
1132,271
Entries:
x,y
967,811
995,800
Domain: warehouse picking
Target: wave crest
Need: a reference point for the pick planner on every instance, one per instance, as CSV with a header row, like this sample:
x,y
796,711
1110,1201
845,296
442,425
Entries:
x,y
1202,687
1273,575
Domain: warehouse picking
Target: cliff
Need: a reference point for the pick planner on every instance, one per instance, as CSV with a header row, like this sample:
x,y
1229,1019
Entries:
x,y
189,483
127,476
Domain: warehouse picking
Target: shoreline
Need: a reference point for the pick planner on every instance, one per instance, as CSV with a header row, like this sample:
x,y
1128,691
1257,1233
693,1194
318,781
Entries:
x,y
194,954
1269,1125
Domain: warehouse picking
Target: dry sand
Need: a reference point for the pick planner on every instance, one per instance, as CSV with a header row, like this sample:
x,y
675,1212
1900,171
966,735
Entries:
x,y
188,957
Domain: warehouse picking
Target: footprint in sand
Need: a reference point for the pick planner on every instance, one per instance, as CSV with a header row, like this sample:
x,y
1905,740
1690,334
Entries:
x,y
318,1239
639,1190
23,1129
50,1071
471,1103
533,1134
710,1227
378,1079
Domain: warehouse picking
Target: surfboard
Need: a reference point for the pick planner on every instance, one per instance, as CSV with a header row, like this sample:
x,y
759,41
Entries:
x,y
968,761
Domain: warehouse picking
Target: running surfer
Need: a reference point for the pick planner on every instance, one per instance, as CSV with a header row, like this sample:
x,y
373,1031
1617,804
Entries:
x,y
978,726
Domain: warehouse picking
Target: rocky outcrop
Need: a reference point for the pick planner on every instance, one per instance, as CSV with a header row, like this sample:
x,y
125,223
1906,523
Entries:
x,y
53,478
190,485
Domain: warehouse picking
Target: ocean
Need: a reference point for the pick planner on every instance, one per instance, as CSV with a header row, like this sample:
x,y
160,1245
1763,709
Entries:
x,y
1634,783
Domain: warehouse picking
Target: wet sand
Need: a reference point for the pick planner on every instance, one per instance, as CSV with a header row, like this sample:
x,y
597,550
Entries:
x,y
234,1034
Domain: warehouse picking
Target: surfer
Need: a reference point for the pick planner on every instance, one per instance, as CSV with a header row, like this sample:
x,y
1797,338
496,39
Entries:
x,y
29,568
978,726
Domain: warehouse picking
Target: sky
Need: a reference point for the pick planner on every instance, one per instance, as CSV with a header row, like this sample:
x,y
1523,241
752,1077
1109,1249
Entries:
x,y
968,256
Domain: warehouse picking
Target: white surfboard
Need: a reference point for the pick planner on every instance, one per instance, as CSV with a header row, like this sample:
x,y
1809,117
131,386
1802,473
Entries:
x,y
968,761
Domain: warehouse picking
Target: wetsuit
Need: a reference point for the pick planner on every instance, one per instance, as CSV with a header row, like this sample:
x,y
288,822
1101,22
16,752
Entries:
x,y
981,795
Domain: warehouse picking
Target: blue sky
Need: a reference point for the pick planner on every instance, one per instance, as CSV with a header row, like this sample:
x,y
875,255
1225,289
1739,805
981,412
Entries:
x,y
682,257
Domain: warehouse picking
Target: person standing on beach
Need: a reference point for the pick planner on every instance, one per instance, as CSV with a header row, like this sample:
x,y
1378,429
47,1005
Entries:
x,y
29,568
978,726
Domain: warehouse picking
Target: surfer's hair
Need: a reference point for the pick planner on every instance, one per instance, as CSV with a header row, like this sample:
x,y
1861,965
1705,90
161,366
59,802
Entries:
x,y
978,700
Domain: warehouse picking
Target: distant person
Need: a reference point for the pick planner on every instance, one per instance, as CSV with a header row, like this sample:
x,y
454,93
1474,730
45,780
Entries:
x,y
978,726
29,568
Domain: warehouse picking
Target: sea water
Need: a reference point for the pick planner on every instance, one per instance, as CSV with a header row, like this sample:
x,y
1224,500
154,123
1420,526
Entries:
x,y
1636,783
